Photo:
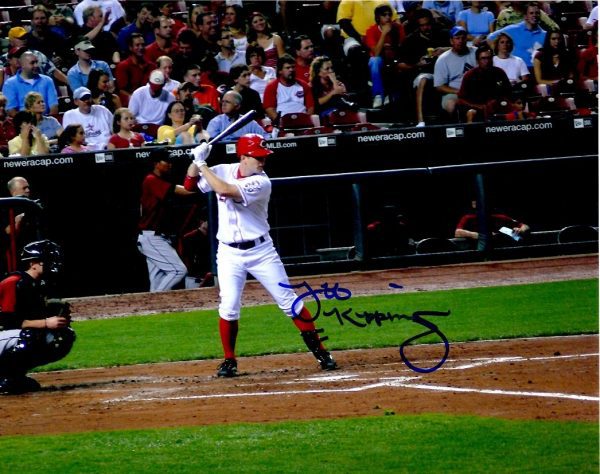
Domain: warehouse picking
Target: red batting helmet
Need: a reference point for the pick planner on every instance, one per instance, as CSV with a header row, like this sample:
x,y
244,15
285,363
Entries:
x,y
251,144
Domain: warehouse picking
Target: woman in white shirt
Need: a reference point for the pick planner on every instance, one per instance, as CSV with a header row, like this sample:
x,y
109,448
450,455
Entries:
x,y
260,75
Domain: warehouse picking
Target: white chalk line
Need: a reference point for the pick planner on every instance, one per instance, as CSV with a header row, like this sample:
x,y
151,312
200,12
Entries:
x,y
396,382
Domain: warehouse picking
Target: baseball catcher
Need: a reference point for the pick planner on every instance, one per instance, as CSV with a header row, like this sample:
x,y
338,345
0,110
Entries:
x,y
34,331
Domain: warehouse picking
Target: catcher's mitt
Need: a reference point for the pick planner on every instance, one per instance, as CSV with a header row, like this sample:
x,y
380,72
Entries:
x,y
58,307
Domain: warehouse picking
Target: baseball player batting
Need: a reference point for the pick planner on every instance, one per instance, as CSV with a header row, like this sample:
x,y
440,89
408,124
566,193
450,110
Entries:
x,y
245,246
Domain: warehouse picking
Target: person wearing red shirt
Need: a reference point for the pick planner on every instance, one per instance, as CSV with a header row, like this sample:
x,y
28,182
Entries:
x,y
305,53
383,40
286,94
134,72
124,136
163,44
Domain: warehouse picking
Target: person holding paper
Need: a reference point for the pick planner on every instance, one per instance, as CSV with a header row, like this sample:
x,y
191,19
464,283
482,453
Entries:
x,y
468,225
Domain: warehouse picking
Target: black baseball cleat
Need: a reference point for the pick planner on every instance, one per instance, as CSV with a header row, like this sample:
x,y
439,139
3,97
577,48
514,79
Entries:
x,y
326,361
18,385
228,368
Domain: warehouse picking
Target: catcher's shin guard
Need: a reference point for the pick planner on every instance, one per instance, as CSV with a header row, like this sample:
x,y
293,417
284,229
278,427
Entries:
x,y
313,342
36,347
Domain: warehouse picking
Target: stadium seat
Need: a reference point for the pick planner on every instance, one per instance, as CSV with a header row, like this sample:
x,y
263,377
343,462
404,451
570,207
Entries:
x,y
301,124
350,120
577,233
150,129
436,245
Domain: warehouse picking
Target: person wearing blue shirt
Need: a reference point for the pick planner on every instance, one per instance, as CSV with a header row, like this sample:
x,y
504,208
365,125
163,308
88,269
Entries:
x,y
449,9
142,25
28,79
79,73
527,35
230,105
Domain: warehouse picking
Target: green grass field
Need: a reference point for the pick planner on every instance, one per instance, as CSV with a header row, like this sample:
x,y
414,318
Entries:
x,y
428,443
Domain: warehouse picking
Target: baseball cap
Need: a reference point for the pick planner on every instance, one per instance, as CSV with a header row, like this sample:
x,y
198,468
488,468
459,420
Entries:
x,y
16,32
85,45
251,144
457,30
81,92
187,86
157,77
16,52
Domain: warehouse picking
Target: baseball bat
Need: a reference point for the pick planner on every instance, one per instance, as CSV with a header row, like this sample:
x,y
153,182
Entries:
x,y
239,123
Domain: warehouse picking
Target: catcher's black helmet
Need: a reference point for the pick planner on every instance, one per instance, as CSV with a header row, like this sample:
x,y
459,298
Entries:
x,y
44,251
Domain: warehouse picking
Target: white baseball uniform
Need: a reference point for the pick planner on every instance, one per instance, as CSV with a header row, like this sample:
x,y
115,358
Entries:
x,y
245,245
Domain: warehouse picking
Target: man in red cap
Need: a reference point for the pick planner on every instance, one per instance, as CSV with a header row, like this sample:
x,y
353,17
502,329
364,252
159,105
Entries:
x,y
245,246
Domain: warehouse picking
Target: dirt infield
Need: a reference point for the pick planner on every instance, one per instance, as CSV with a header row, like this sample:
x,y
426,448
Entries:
x,y
537,378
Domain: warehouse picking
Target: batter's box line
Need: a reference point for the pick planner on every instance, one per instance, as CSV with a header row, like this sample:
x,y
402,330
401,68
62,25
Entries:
x,y
482,361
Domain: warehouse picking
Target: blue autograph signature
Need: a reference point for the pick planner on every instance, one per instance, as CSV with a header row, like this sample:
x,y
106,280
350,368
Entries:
x,y
365,318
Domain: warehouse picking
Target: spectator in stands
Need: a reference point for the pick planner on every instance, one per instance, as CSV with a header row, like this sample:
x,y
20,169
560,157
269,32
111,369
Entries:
x,y
228,56
18,38
483,87
553,66
124,136
261,34
383,39
260,75
12,65
240,76
329,93
448,9
587,65
234,18
206,40
134,71
194,12
516,13
72,139
111,9
176,130
27,80
94,29
305,53
185,95
468,226
166,9
100,85
42,38
450,68
142,25
7,128
230,105
354,19
527,35
149,103
514,67
163,44
186,39
61,19
476,22
165,64
48,125
205,94
418,54
29,140
286,95
95,119
79,73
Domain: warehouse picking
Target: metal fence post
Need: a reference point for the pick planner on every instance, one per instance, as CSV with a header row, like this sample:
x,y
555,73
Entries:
x,y
213,223
359,235
483,243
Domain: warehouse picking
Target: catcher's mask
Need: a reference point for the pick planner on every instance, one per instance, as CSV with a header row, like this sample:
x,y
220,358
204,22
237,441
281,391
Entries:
x,y
44,251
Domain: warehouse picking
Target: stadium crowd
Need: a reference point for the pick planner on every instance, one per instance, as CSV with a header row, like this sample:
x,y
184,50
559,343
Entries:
x,y
128,73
